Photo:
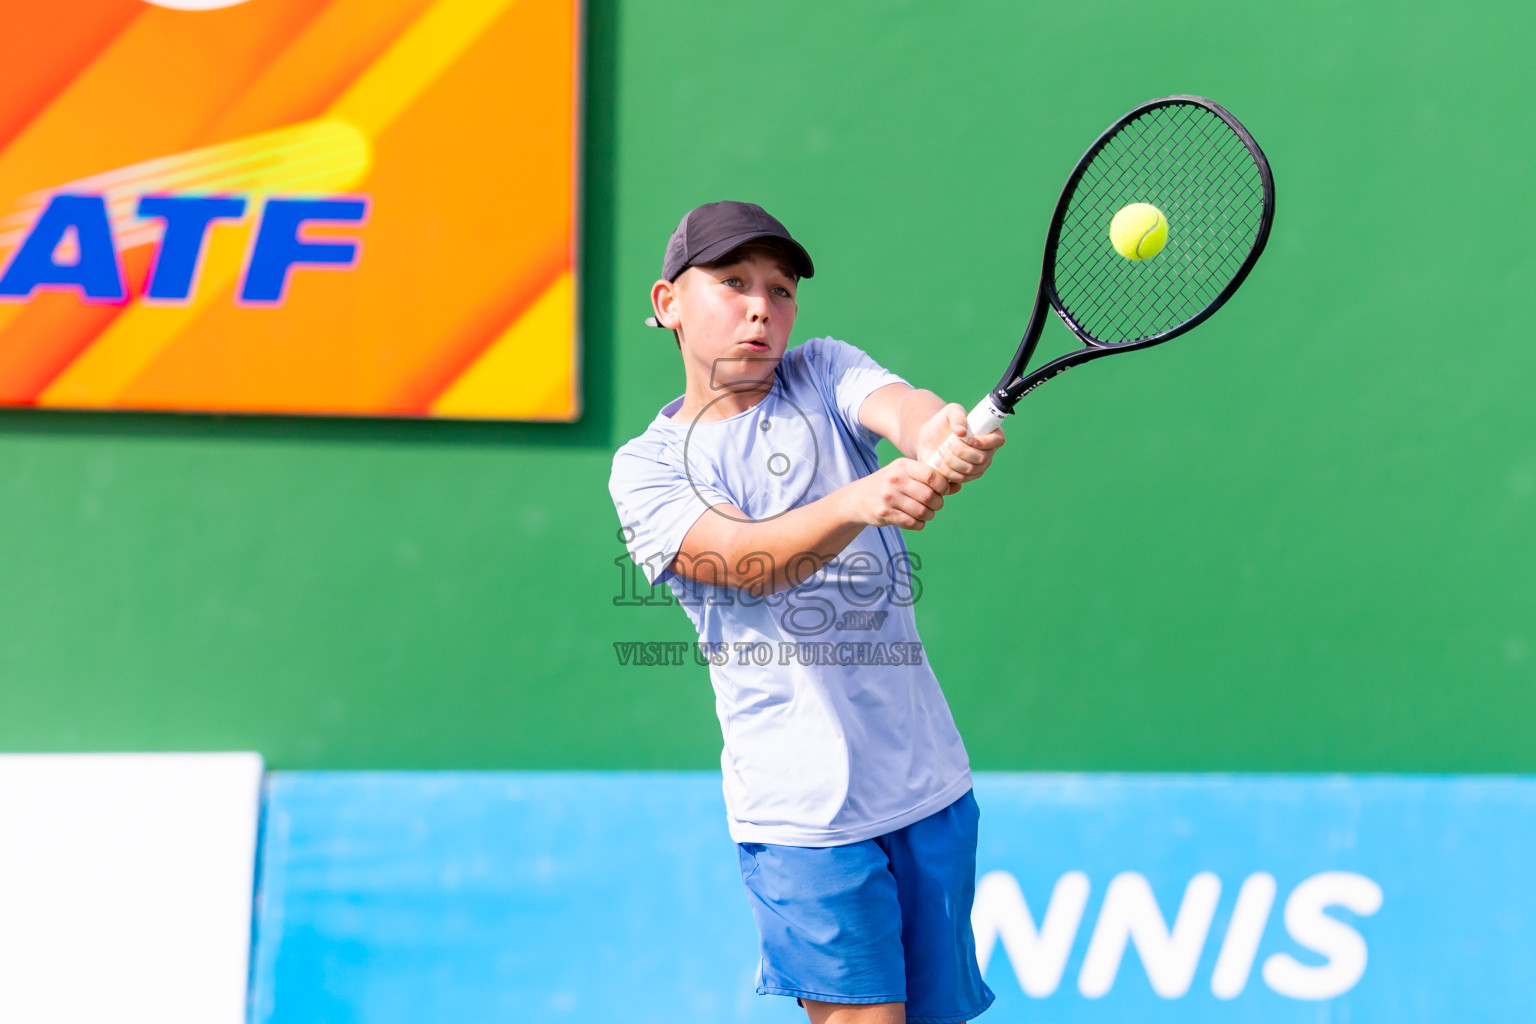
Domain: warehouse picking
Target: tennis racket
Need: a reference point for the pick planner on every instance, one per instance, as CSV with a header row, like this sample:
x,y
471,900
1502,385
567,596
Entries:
x,y
1197,164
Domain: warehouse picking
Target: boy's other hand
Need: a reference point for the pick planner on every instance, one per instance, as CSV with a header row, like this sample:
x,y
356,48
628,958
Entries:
x,y
963,457
905,493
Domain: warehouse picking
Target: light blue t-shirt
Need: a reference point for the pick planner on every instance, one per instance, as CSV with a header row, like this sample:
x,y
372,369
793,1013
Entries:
x,y
835,728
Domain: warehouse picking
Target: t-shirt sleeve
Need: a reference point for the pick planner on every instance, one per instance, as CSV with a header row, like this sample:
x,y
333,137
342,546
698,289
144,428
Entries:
x,y
852,377
657,506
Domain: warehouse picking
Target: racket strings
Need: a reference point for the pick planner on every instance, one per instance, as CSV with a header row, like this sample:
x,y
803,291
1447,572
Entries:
x,y
1143,311
1193,210
1191,165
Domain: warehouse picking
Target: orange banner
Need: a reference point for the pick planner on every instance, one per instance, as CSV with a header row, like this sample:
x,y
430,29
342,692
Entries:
x,y
329,207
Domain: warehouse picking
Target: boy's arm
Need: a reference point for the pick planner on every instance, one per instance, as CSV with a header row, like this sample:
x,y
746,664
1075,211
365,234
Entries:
x,y
724,550
918,422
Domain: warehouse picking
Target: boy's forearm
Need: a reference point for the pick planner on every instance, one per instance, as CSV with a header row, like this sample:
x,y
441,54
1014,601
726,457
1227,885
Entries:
x,y
785,551
915,409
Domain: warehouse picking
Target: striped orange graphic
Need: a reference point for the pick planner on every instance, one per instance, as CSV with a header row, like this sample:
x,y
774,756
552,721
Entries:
x,y
455,119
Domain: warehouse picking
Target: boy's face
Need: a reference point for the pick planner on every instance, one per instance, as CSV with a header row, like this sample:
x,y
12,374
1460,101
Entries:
x,y
734,318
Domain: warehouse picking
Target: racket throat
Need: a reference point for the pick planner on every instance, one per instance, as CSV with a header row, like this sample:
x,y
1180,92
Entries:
x,y
1009,395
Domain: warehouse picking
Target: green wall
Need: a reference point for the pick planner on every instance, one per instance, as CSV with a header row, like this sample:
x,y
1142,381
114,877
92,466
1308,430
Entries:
x,y
1299,539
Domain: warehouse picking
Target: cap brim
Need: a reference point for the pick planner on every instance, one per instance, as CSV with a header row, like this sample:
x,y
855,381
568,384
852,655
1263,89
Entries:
x,y
709,254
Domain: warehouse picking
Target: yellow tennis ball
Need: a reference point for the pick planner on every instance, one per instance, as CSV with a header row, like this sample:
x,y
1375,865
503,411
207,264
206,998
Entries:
x,y
1139,231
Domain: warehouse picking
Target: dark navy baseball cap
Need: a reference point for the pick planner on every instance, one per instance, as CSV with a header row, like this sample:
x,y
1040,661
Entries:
x,y
709,232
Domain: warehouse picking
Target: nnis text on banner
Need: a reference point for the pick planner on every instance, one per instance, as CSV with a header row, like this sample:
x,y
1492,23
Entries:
x,y
71,247
1130,916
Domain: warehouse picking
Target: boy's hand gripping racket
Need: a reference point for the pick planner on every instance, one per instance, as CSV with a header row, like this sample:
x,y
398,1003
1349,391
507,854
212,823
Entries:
x,y
1191,160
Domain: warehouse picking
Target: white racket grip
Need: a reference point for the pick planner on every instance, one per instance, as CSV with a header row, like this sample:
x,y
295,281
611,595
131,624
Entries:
x,y
983,419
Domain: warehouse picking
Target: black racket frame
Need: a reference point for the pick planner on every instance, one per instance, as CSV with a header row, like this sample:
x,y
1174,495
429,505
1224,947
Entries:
x,y
1015,384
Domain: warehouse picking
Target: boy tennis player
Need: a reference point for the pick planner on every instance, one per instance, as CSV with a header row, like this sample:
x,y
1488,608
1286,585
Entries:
x,y
757,495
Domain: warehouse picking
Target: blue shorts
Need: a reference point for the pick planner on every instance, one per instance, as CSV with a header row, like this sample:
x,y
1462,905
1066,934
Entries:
x,y
887,920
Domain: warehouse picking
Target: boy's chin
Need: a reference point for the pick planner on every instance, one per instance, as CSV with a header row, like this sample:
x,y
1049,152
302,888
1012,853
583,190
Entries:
x,y
743,371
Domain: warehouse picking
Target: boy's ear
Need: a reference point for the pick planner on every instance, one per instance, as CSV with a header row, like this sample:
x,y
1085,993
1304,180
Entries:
x,y
664,302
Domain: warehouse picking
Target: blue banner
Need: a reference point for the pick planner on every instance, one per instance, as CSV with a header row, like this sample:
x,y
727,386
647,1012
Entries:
x,y
391,898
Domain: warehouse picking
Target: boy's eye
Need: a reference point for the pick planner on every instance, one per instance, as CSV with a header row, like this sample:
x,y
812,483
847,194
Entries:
x,y
783,291
732,281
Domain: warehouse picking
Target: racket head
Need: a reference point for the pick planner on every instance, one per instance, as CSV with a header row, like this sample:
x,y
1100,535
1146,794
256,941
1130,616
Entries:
x,y
1194,161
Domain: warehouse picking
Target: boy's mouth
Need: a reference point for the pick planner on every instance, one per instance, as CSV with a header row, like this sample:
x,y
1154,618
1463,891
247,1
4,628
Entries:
x,y
755,346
